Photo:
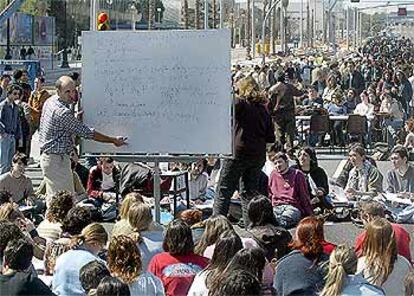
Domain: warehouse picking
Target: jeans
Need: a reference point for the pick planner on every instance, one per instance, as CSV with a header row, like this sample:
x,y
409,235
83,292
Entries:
x,y
7,151
287,216
234,173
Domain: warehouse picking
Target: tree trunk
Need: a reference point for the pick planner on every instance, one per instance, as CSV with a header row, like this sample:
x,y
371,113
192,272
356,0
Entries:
x,y
151,14
197,15
184,10
214,12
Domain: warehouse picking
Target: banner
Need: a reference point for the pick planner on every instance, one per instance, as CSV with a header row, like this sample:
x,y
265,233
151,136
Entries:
x,y
21,29
43,30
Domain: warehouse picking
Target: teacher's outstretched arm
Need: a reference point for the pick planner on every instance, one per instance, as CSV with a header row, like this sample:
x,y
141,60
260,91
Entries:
x,y
117,141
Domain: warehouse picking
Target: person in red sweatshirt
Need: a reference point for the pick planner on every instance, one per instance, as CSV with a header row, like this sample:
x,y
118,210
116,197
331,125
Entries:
x,y
178,265
372,210
289,192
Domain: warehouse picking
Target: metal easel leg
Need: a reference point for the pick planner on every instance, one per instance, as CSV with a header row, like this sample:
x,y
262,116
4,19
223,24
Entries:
x,y
157,191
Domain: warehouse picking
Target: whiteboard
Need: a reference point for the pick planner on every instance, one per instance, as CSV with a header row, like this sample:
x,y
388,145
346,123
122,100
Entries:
x,y
169,92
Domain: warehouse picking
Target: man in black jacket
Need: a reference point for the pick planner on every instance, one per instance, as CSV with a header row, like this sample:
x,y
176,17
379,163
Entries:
x,y
253,129
16,277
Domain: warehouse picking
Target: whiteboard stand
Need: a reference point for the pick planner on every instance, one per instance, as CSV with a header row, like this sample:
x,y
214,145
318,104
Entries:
x,y
157,190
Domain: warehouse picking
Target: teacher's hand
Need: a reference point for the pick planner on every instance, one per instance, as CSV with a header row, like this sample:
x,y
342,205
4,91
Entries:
x,y
120,141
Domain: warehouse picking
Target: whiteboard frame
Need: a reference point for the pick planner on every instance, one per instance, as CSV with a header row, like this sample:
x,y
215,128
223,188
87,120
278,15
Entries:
x,y
172,157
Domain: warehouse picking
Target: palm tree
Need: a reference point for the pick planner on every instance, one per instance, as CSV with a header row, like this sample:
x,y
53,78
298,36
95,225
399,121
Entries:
x,y
197,14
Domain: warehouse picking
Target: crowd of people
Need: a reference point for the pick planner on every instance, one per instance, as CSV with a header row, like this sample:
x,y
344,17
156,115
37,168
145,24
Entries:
x,y
70,254
52,241
375,83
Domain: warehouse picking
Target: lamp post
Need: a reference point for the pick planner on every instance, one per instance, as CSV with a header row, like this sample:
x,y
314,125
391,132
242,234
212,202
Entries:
x,y
65,63
159,14
8,55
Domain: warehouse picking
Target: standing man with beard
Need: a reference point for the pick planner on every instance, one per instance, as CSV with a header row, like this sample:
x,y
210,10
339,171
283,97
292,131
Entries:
x,y
58,126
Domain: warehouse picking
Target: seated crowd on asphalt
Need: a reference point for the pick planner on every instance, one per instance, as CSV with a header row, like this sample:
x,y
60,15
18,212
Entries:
x,y
235,236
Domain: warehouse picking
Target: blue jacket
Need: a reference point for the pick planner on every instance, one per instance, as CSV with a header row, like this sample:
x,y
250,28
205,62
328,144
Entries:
x,y
9,119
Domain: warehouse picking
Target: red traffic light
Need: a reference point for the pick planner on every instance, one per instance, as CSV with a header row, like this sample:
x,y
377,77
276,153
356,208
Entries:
x,y
102,17
102,22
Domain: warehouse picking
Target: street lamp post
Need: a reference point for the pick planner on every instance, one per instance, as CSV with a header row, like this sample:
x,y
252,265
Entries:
x,y
8,51
65,63
253,30
159,14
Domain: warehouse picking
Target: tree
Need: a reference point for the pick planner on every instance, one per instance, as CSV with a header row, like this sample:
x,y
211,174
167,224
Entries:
x,y
197,6
184,13
34,7
214,12
143,7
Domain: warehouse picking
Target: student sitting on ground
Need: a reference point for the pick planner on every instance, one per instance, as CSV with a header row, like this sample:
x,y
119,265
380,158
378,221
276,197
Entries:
x,y
110,286
178,258
149,242
75,221
91,275
14,279
238,282
264,228
364,178
102,181
85,248
197,180
302,271
400,178
251,260
372,210
341,278
124,262
380,264
228,245
16,182
316,177
51,227
122,226
289,193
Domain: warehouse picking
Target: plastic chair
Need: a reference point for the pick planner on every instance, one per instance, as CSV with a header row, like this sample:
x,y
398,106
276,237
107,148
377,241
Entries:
x,y
357,126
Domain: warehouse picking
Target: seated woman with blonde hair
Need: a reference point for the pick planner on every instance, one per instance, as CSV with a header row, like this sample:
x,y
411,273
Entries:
x,y
341,278
381,265
122,226
149,241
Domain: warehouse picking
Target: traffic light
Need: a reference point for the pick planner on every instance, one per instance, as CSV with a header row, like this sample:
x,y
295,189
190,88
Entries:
x,y
402,11
102,22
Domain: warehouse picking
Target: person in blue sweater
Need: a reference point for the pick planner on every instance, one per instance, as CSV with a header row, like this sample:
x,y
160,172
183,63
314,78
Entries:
x,y
85,248
336,107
